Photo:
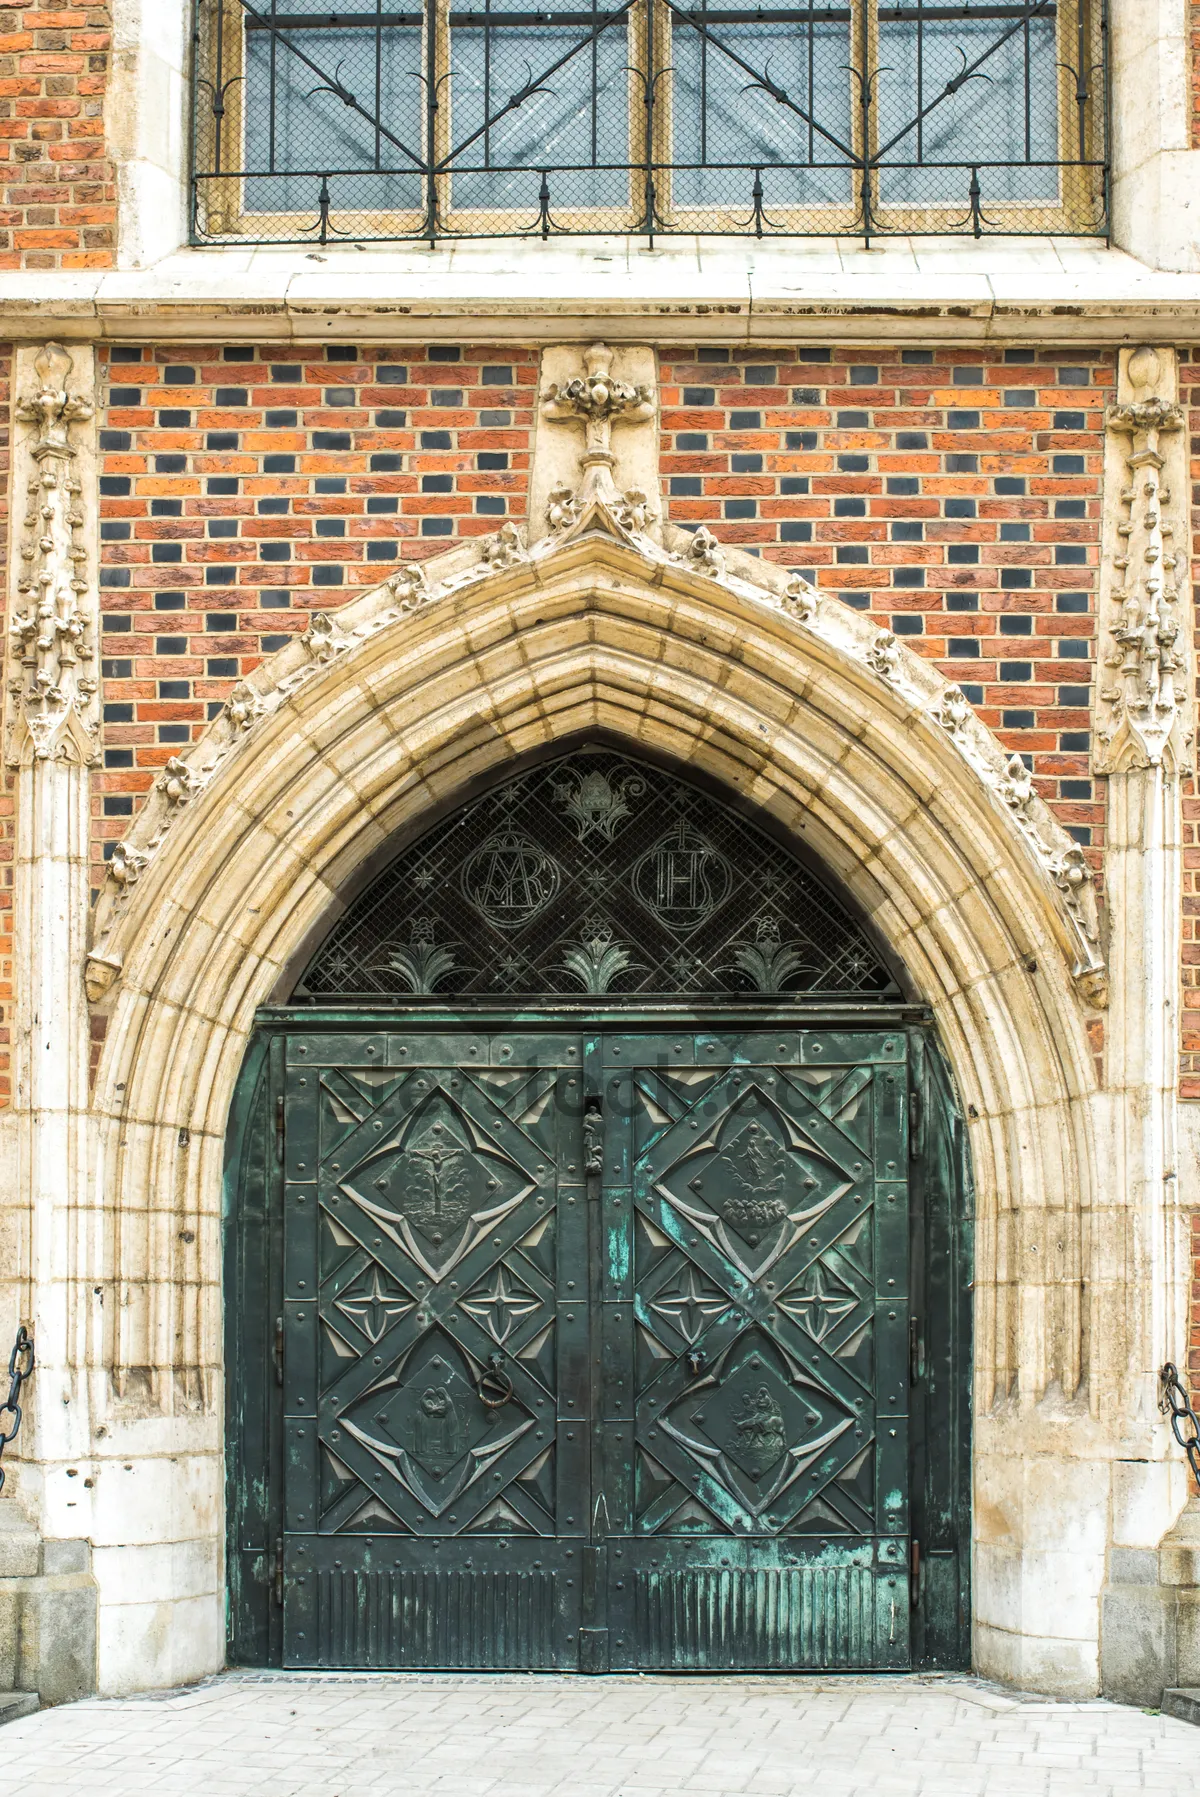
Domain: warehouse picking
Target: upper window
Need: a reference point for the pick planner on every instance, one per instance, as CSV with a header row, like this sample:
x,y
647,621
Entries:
x,y
362,121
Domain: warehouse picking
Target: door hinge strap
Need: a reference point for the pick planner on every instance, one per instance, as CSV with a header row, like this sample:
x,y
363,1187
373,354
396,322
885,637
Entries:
x,y
593,1145
914,1574
916,1117
277,1580
278,1352
279,1129
916,1351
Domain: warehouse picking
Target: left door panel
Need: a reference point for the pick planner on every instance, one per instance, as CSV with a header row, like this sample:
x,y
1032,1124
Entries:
x,y
435,1351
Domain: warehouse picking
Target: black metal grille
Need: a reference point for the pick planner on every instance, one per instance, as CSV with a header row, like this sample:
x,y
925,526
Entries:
x,y
596,874
361,121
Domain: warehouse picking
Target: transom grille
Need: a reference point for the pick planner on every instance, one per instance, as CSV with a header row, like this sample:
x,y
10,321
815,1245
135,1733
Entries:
x,y
363,120
596,874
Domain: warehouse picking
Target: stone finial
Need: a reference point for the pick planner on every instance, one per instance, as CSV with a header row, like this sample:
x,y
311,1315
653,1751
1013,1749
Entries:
x,y
598,400
52,684
1143,686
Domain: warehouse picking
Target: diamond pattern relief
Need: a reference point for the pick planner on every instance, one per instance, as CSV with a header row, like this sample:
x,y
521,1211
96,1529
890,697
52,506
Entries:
x,y
427,1426
753,1425
688,896
818,1302
752,1181
500,1302
756,1302
436,1376
689,1302
436,1183
374,1302
695,1362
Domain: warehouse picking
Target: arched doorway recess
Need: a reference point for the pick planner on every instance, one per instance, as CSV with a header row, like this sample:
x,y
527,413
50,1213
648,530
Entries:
x,y
850,747
598,1261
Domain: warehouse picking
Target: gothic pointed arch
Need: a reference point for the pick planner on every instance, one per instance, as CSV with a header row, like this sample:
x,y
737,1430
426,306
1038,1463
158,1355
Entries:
x,y
449,674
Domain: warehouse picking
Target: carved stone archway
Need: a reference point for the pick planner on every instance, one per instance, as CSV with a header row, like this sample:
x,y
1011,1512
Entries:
x,y
706,657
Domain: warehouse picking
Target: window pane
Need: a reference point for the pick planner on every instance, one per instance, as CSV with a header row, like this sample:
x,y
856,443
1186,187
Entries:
x,y
1005,112
315,132
720,115
576,116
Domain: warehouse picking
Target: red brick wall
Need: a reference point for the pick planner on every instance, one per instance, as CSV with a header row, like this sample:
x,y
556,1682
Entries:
x,y
953,494
57,186
243,489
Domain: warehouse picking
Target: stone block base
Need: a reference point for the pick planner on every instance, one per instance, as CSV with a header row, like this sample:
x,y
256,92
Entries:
x,y
47,1616
1183,1702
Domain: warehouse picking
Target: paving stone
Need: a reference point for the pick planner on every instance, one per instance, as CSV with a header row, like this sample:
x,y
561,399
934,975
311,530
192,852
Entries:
x,y
279,1735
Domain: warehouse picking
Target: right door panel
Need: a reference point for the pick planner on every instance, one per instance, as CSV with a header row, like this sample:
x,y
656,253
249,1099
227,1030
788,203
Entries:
x,y
751,1502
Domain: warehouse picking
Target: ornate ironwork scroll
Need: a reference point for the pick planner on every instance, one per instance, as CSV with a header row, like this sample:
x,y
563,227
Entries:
x,y
364,120
595,874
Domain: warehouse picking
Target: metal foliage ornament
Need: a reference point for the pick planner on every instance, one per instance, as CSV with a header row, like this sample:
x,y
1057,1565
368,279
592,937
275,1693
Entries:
x,y
591,874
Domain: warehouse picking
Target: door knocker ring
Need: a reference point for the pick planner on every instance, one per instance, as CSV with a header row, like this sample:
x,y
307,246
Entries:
x,y
494,1386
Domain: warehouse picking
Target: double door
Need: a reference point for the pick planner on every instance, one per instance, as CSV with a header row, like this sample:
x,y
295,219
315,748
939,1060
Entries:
x,y
595,1349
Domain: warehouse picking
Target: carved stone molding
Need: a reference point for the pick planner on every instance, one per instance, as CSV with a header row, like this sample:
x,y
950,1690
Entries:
x,y
613,465
695,556
506,549
1144,678
52,684
598,400
883,656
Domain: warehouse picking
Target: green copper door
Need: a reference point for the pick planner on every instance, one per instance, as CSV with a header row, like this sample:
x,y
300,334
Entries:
x,y
752,1398
595,1349
436,1391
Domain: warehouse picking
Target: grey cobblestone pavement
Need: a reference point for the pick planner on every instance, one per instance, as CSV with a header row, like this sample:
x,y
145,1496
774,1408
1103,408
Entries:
x,y
296,1735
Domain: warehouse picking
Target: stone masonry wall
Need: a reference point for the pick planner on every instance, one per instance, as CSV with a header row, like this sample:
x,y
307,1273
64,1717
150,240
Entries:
x,y
57,185
6,777
1189,389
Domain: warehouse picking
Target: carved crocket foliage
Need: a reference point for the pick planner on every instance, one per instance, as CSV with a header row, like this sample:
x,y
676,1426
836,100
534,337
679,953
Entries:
x,y
243,706
1143,686
883,657
506,549
696,561
323,639
704,554
636,512
52,685
562,507
179,783
409,586
800,600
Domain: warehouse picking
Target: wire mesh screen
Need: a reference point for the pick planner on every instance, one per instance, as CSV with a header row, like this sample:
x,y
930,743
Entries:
x,y
363,121
596,874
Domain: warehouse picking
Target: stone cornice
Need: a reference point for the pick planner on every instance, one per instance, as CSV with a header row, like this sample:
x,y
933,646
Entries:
x,y
723,291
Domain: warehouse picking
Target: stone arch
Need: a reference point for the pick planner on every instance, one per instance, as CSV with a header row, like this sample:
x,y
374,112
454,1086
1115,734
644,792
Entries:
x,y
394,710
804,711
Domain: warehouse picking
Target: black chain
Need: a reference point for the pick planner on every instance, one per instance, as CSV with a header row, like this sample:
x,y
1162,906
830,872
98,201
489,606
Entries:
x,y
1175,1398
20,1366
